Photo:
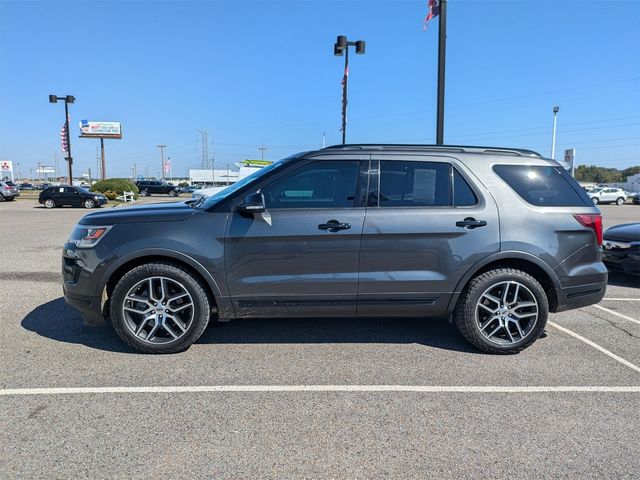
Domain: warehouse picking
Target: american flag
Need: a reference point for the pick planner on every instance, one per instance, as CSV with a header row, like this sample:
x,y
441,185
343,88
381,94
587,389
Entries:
x,y
434,10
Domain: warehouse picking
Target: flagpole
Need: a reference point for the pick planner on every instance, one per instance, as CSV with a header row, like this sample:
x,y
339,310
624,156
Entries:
x,y
442,48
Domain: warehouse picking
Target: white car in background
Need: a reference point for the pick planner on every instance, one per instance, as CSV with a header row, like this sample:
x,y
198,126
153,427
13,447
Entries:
x,y
607,195
246,168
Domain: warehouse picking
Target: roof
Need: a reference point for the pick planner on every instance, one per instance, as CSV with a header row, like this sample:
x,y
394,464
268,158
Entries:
x,y
438,148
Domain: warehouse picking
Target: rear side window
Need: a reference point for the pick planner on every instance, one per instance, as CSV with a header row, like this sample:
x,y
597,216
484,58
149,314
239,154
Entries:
x,y
543,186
423,184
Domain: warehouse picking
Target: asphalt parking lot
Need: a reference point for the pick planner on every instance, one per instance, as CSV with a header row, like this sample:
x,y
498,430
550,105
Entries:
x,y
283,398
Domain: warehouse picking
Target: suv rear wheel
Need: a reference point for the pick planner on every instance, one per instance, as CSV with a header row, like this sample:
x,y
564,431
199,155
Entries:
x,y
144,192
159,308
173,193
502,311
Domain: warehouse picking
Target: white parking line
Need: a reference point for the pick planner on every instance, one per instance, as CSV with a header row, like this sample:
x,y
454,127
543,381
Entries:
x,y
596,346
613,312
622,299
322,388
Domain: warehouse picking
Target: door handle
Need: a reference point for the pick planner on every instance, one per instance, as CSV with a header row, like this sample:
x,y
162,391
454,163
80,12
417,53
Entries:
x,y
334,226
470,223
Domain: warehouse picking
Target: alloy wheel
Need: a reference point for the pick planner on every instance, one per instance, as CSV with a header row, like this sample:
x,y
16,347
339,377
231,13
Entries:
x,y
506,313
158,310
49,203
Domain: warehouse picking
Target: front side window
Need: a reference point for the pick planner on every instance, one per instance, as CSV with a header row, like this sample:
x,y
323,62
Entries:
x,y
322,184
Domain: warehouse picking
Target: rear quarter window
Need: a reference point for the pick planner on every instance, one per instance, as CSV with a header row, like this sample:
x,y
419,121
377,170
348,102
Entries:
x,y
543,186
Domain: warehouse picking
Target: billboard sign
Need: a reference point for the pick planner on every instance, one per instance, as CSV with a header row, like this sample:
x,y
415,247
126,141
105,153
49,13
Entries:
x,y
100,129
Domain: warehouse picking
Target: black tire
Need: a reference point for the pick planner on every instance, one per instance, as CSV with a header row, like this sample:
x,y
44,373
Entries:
x,y
178,273
10,199
88,203
595,200
465,312
172,193
49,203
620,201
144,193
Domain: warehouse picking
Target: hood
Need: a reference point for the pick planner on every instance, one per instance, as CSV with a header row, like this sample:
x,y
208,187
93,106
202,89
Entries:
x,y
629,232
158,212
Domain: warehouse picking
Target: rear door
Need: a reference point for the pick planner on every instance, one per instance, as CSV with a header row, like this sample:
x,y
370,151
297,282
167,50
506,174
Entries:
x,y
426,225
300,257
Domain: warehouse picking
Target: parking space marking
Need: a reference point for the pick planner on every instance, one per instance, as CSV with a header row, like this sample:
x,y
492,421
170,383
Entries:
x,y
323,388
596,346
622,299
613,312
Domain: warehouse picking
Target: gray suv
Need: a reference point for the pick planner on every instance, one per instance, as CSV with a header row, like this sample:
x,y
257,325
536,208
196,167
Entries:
x,y
494,238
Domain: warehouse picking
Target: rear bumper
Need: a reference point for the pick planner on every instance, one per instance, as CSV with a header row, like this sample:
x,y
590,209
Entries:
x,y
581,296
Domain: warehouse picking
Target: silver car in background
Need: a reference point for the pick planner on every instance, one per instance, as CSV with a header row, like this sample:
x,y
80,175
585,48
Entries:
x,y
8,191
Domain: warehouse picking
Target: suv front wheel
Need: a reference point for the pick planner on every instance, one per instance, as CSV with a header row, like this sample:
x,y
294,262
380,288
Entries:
x,y
502,311
159,308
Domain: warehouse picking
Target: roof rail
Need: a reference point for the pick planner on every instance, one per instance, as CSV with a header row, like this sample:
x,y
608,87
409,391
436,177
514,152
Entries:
x,y
520,152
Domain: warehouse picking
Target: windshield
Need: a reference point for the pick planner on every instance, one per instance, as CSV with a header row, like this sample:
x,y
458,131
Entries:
x,y
224,193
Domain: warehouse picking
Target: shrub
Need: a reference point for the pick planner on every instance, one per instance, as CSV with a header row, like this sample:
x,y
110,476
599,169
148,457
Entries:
x,y
112,187
183,184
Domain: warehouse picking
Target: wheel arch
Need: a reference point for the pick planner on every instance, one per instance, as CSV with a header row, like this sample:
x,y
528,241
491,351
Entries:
x,y
526,262
127,263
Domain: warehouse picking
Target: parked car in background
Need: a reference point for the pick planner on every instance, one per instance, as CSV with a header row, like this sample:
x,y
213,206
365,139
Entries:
x,y
67,195
355,230
148,187
621,248
26,186
8,191
635,198
607,195
188,189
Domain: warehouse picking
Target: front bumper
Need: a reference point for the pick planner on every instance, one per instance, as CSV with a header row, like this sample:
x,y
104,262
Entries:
x,y
90,308
79,287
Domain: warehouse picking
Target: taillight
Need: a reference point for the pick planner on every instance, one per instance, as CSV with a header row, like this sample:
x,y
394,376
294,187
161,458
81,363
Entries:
x,y
593,221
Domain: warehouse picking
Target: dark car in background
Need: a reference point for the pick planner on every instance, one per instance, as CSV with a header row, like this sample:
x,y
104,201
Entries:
x,y
148,187
26,186
621,248
8,191
66,195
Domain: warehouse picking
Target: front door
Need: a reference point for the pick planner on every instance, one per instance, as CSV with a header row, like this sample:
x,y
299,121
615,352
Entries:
x,y
300,257
425,228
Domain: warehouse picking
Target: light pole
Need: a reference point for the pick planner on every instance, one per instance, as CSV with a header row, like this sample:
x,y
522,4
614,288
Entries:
x,y
340,48
162,147
67,100
553,135
262,150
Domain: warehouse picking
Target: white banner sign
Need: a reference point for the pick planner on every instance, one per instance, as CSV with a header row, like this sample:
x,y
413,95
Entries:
x,y
100,129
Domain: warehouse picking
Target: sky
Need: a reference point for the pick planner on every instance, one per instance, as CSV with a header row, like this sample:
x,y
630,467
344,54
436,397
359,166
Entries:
x,y
264,73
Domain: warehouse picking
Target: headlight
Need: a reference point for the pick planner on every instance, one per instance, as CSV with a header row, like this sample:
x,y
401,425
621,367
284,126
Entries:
x,y
88,236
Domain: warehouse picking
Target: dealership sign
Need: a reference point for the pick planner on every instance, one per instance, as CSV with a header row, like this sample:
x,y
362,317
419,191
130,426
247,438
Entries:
x,y
100,129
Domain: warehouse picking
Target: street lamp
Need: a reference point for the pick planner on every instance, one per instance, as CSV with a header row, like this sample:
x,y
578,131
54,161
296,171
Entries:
x,y
553,136
341,48
67,100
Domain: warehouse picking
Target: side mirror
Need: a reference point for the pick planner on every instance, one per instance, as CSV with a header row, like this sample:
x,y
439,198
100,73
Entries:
x,y
253,203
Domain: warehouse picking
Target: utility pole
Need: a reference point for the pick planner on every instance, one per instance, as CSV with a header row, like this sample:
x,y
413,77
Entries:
x,y
67,100
98,174
442,50
262,150
162,147
324,139
135,172
38,171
